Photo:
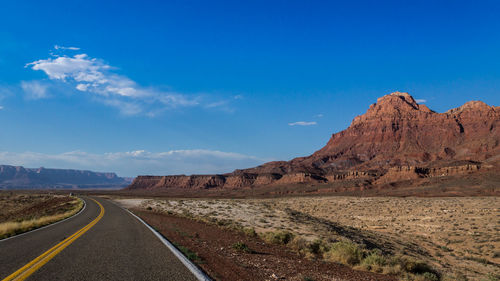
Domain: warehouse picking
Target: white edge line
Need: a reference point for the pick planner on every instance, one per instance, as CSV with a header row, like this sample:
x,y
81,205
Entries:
x,y
52,224
200,275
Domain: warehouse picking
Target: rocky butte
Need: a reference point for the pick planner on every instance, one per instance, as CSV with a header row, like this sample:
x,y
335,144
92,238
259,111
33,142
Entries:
x,y
396,140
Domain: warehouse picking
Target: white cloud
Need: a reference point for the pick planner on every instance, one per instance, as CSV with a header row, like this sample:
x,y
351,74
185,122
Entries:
x,y
421,100
1,107
318,115
216,104
35,90
126,107
80,68
302,123
94,76
138,162
57,47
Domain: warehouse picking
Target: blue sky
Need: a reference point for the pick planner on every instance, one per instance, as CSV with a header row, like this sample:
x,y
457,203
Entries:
x,y
168,87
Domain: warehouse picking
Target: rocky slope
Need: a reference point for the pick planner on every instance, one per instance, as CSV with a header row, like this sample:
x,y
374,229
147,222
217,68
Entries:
x,y
396,139
12,177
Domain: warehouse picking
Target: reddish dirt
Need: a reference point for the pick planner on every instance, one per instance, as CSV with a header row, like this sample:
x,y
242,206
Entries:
x,y
214,246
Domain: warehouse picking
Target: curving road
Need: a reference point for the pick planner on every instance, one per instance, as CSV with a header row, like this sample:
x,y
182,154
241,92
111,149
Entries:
x,y
116,247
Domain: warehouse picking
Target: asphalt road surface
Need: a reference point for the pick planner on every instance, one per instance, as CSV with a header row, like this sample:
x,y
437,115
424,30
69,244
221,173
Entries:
x,y
117,247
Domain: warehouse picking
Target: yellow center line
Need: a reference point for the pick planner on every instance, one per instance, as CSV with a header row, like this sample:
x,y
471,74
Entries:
x,y
44,258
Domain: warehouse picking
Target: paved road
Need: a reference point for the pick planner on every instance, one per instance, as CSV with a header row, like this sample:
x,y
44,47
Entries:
x,y
118,247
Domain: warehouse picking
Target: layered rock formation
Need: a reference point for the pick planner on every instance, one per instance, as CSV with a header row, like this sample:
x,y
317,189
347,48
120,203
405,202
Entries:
x,y
396,139
20,177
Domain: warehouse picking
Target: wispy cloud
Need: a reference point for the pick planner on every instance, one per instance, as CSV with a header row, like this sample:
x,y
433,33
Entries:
x,y
217,104
57,47
318,115
35,90
132,163
94,76
303,123
421,100
7,91
4,91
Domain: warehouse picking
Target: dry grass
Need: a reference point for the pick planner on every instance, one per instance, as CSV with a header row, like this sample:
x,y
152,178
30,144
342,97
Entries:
x,y
10,228
457,236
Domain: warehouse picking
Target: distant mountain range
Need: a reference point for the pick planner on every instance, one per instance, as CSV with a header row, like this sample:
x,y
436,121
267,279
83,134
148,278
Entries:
x,y
396,140
17,177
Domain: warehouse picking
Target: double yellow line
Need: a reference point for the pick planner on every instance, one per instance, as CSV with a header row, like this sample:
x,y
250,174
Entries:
x,y
44,258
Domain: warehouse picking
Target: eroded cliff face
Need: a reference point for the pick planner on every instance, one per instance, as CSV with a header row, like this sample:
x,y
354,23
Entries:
x,y
396,139
402,173
396,131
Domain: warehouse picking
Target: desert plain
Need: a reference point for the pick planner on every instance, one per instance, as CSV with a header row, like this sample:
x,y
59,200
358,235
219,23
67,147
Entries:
x,y
458,236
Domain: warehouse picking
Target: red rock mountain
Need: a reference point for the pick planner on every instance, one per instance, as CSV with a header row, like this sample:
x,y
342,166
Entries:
x,y
396,139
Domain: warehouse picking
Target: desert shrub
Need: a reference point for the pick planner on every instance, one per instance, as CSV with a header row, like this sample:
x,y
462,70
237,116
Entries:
x,y
345,252
413,266
456,277
478,260
444,248
240,246
318,247
374,261
418,277
354,255
298,244
301,246
223,222
392,269
491,277
249,231
188,253
429,276
186,213
279,237
314,249
420,270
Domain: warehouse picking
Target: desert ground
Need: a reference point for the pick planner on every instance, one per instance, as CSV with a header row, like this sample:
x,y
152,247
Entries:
x,y
24,211
459,237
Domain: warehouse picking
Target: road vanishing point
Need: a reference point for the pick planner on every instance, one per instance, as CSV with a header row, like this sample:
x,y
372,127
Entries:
x,y
102,242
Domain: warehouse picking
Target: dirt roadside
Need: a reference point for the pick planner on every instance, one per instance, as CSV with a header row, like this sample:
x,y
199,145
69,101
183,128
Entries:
x,y
231,255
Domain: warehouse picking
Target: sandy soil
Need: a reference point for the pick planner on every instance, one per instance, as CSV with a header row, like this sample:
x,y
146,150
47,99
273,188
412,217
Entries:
x,y
19,206
458,236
